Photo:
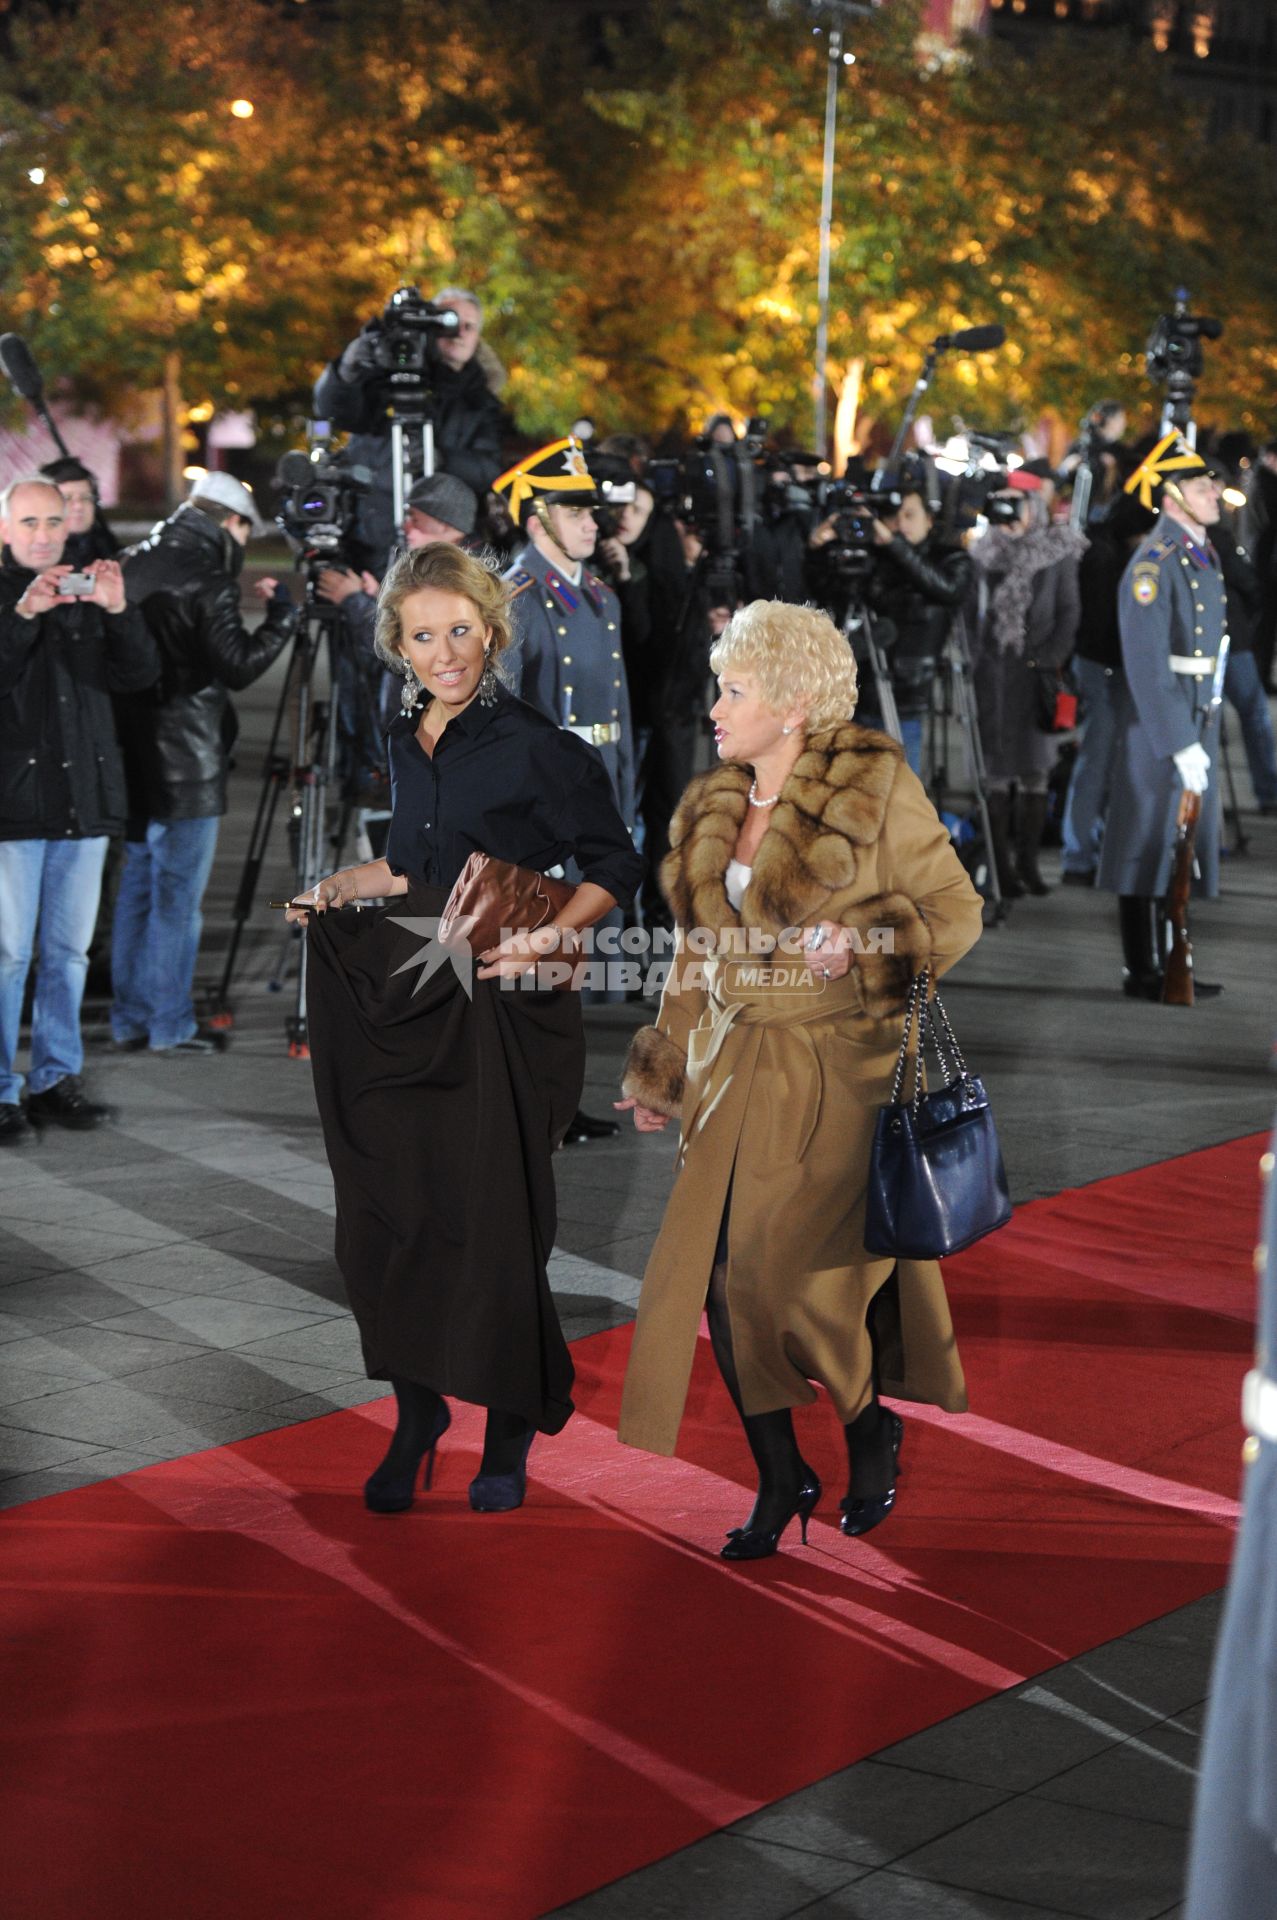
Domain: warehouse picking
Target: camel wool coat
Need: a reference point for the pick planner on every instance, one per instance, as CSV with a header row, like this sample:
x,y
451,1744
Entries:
x,y
778,1075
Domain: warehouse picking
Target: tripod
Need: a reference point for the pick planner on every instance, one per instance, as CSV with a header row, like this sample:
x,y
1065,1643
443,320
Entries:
x,y
858,625
305,767
412,430
956,683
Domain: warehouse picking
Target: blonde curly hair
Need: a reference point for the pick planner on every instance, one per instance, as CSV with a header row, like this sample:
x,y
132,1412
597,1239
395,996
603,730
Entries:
x,y
796,658
449,569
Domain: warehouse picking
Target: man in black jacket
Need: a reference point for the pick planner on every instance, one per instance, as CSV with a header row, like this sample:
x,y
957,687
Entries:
x,y
185,577
918,584
469,422
62,792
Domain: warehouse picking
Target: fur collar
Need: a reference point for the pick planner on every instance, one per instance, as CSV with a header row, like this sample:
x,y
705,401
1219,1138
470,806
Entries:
x,y
831,806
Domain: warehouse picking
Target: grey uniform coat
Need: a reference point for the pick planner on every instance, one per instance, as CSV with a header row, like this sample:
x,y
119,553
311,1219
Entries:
x,y
567,661
1171,604
1233,1864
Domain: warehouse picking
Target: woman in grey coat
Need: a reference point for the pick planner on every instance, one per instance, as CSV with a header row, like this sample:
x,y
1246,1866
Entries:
x,y
1029,611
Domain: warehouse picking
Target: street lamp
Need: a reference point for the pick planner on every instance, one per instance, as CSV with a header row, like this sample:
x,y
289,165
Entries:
x,y
242,109
841,13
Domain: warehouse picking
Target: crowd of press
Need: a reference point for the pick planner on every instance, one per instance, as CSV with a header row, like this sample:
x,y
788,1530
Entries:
x,y
116,669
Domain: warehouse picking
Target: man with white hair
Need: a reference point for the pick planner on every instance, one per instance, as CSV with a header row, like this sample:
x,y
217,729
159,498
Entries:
x,y
185,577
67,642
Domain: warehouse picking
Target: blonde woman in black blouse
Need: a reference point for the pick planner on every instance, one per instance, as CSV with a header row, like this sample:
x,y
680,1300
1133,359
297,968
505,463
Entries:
x,y
442,1098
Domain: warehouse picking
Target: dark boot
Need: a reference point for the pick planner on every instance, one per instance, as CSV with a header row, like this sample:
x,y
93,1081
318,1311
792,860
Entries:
x,y
787,1487
1030,820
999,802
1141,959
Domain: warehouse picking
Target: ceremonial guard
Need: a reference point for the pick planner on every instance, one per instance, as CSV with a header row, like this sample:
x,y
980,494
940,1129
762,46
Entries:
x,y
1172,614
566,659
1233,1863
567,622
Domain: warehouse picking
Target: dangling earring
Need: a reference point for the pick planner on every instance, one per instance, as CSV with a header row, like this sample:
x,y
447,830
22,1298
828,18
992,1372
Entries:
x,y
413,689
488,682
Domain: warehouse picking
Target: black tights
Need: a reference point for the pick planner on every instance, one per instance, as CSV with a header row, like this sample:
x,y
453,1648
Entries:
x,y
419,1412
781,1468
505,1439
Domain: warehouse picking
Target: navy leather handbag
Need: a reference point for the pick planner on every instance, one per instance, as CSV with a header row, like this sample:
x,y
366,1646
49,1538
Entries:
x,y
936,1181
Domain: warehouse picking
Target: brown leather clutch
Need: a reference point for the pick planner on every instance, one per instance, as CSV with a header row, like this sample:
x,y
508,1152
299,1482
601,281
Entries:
x,y
494,897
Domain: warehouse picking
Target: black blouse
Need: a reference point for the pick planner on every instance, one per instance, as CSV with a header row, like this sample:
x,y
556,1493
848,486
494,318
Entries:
x,y
505,781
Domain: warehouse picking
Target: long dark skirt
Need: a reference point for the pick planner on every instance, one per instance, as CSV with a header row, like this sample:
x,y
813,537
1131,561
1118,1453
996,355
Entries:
x,y
441,1108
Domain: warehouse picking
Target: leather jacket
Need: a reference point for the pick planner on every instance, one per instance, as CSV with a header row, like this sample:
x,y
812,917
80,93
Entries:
x,y
185,577
918,589
61,775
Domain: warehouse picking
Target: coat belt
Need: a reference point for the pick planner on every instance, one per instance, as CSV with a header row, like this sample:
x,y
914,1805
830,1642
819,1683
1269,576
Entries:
x,y
732,1004
1192,663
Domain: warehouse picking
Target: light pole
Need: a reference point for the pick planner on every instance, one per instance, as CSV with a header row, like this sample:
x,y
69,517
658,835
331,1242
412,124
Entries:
x,y
839,13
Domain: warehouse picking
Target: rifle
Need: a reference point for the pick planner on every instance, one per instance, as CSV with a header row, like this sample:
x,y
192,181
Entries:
x,y
1177,978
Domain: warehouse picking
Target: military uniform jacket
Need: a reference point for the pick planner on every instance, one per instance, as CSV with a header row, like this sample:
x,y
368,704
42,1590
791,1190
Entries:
x,y
1171,608
567,661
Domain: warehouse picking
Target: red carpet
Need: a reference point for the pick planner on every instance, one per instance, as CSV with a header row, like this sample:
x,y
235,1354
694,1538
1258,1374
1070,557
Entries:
x,y
233,1692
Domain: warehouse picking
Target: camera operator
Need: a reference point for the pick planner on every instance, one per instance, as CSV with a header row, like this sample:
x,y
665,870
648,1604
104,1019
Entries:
x,y
62,790
440,507
176,750
918,583
776,557
622,559
89,537
692,600
463,378
1100,447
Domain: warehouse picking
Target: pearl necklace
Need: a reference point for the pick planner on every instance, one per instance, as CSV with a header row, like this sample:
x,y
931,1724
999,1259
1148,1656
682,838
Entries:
x,y
754,800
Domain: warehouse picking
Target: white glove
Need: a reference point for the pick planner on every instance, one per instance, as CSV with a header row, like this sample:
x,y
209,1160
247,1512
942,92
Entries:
x,y
1193,766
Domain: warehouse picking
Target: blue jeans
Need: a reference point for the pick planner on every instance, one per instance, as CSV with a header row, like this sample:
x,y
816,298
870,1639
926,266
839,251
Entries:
x,y
155,938
911,740
1083,826
55,884
1245,692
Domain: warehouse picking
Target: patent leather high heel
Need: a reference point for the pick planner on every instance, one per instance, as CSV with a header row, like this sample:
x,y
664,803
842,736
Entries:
x,y
502,1492
863,1515
757,1543
394,1492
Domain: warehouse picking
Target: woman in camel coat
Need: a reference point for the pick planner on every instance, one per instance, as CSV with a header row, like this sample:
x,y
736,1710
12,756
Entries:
x,y
816,832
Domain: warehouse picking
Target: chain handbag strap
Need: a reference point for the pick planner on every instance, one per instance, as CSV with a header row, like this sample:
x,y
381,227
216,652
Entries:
x,y
943,1039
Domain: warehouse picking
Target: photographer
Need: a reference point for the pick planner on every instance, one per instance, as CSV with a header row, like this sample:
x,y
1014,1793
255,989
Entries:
x,y
176,746
461,378
1029,613
918,583
62,790
776,557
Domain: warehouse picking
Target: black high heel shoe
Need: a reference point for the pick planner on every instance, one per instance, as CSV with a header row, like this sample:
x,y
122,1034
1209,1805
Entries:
x,y
394,1492
862,1516
757,1543
502,1492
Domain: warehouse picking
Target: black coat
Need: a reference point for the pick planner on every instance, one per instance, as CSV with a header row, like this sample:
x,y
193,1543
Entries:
x,y
61,774
469,425
185,578
918,589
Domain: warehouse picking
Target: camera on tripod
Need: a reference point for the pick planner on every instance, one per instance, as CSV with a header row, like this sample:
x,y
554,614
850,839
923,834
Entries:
x,y
318,504
1173,355
404,346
